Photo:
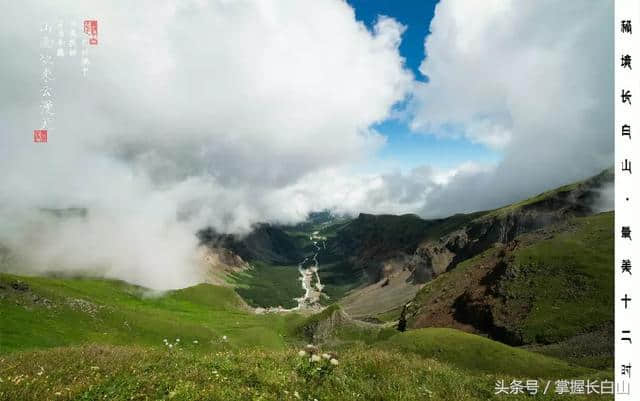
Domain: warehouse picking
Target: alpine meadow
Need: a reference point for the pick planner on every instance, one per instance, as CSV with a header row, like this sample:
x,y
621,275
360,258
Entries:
x,y
309,200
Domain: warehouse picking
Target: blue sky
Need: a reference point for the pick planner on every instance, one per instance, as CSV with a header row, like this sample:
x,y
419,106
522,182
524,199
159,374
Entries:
x,y
405,149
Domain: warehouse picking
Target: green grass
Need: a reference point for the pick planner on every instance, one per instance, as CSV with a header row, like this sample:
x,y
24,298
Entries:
x,y
339,278
390,315
126,314
90,339
266,285
139,373
501,212
361,335
479,354
564,282
569,280
593,349
51,348
384,232
604,176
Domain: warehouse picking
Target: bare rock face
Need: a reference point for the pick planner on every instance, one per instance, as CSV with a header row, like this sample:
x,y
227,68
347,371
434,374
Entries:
x,y
392,266
477,298
429,260
433,258
227,258
322,329
502,226
398,255
219,262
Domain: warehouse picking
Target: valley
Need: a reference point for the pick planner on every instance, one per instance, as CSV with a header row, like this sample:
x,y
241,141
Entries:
x,y
311,283
526,289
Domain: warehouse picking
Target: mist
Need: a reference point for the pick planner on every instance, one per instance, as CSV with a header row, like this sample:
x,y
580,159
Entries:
x,y
227,114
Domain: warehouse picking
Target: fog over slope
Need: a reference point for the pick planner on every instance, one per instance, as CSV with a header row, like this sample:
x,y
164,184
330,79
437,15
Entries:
x,y
230,113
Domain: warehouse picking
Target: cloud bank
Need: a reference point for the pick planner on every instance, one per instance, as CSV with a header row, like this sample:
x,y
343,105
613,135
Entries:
x,y
532,79
228,113
193,113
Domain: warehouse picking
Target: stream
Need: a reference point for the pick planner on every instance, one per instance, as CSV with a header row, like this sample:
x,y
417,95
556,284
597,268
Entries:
x,y
312,293
312,288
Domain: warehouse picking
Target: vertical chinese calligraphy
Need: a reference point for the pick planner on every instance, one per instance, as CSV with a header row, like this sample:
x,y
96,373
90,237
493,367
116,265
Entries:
x,y
59,41
626,85
46,78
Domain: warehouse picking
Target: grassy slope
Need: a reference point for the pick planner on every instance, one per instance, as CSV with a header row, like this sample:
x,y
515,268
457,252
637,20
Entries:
x,y
266,285
258,361
503,211
125,314
125,373
569,279
339,278
480,354
564,280
603,177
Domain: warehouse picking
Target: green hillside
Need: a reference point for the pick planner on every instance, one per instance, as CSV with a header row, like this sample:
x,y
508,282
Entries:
x,y
523,292
480,354
548,286
587,190
570,273
45,312
266,285
82,339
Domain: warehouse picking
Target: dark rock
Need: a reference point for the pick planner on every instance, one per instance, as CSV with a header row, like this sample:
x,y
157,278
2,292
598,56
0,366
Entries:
x,y
20,286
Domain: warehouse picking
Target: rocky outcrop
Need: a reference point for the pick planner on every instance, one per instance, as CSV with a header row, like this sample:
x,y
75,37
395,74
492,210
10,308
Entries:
x,y
221,257
319,327
327,325
219,263
432,258
429,260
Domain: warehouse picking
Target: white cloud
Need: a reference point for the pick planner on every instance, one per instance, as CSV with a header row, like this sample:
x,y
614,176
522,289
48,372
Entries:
x,y
193,113
532,79
230,113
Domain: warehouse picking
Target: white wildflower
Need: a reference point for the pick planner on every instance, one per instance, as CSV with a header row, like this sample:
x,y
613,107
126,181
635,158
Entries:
x,y
177,340
195,341
224,338
302,353
315,358
326,356
334,361
170,345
